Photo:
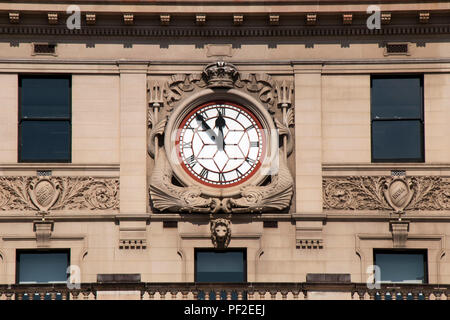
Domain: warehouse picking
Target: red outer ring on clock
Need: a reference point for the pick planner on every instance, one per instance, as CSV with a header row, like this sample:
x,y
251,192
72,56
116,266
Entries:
x,y
177,145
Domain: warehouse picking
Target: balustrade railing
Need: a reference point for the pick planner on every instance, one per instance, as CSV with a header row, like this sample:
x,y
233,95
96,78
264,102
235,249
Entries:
x,y
225,291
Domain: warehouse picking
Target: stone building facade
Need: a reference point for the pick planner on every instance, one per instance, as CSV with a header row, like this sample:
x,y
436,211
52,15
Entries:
x,y
318,199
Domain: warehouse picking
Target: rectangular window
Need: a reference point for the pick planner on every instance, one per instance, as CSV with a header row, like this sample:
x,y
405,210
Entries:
x,y
45,119
220,266
42,266
397,118
402,266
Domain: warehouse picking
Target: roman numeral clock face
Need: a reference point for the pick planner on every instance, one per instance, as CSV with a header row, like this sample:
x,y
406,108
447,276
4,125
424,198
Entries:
x,y
220,144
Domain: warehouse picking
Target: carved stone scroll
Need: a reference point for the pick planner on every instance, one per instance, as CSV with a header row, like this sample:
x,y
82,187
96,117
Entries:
x,y
167,196
276,195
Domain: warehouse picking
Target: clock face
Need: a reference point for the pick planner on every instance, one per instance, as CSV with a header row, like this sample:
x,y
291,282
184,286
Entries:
x,y
220,144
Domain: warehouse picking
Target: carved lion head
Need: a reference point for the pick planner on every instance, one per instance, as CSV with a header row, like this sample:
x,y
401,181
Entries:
x,y
220,233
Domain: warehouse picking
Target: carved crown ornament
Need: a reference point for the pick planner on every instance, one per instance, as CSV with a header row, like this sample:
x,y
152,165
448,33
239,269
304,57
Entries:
x,y
45,194
211,107
398,194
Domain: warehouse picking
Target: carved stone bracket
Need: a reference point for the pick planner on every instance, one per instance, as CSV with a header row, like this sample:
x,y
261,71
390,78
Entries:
x,y
43,232
399,231
386,193
45,194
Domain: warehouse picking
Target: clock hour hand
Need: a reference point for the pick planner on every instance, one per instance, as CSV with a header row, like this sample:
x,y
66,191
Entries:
x,y
220,123
206,127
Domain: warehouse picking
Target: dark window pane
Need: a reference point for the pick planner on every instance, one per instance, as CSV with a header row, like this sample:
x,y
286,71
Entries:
x,y
45,98
45,141
397,140
401,267
396,98
42,267
227,266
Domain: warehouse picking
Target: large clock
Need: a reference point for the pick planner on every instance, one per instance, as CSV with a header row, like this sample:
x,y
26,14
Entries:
x,y
221,149
220,144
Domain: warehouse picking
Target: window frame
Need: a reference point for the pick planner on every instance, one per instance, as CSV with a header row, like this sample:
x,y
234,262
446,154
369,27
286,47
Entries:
x,y
21,120
30,251
244,254
424,252
398,119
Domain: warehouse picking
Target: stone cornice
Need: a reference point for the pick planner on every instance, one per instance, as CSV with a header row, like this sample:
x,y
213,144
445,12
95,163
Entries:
x,y
217,32
224,6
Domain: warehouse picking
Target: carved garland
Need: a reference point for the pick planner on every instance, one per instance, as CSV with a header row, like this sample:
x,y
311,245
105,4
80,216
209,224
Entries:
x,y
43,194
166,196
386,193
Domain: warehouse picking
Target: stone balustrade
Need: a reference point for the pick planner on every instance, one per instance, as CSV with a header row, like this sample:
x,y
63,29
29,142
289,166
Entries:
x,y
224,291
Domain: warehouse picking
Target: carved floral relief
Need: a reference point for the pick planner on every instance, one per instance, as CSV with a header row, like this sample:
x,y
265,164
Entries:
x,y
58,193
386,193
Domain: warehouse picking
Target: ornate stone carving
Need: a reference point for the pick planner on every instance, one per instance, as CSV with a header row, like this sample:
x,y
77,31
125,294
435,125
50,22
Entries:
x,y
128,18
311,19
167,196
220,75
90,18
164,19
52,18
156,128
274,19
276,195
262,84
14,17
386,17
44,194
398,193
347,18
220,233
424,17
200,19
238,19
386,193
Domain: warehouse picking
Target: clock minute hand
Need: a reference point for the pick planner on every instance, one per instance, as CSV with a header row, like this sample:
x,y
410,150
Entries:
x,y
206,127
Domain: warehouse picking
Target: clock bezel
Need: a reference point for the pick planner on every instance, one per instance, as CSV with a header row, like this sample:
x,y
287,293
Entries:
x,y
185,107
261,133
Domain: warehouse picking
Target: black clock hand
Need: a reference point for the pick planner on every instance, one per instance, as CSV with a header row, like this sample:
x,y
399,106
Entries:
x,y
220,123
206,127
